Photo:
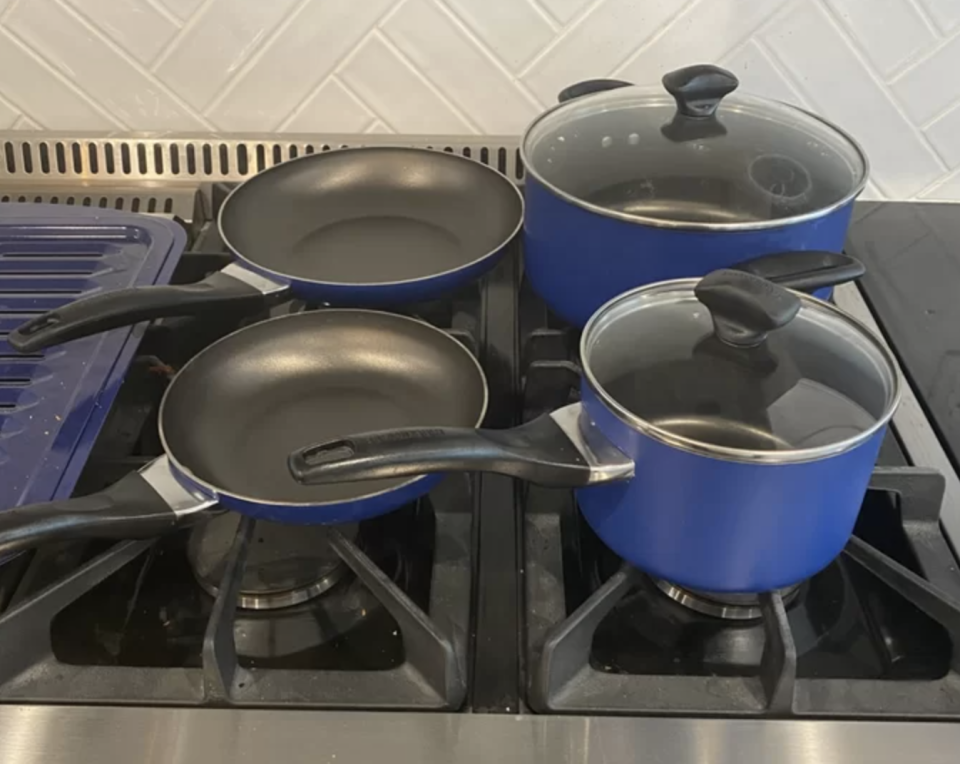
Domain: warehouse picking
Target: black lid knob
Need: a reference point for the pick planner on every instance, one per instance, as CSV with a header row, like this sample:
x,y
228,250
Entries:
x,y
745,307
699,89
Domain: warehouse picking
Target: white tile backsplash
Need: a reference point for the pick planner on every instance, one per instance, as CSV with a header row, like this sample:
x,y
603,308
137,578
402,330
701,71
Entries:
x,y
890,32
330,100
304,51
709,28
902,160
564,11
405,100
514,31
44,95
138,27
752,63
8,116
596,44
943,134
86,58
931,85
883,69
456,63
182,9
215,44
945,13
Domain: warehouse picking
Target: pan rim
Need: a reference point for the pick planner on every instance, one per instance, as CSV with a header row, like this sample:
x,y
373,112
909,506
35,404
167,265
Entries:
x,y
181,469
286,277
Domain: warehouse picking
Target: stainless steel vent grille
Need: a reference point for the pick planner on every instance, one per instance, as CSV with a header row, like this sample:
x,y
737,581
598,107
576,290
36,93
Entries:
x,y
160,203
45,157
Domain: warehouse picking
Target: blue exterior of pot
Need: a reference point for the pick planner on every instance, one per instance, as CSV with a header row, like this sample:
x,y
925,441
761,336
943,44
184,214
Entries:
x,y
577,259
723,526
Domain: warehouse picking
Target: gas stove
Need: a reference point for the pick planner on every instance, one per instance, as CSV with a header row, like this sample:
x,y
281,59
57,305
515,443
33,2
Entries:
x,y
488,600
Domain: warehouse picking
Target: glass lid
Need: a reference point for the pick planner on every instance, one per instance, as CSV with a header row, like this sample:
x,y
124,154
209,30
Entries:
x,y
692,154
736,367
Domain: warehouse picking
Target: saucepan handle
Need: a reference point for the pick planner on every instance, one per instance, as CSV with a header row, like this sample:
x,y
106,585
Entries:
x,y
141,505
232,288
550,450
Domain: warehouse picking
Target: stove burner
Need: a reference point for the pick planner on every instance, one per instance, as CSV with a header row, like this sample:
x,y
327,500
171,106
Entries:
x,y
286,564
729,607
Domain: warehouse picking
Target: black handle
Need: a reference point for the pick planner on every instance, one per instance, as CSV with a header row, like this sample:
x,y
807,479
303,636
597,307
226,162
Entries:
x,y
539,451
804,271
923,594
590,86
699,89
745,307
125,307
129,509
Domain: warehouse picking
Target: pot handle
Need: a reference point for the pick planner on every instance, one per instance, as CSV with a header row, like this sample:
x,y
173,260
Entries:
x,y
140,505
590,86
232,288
551,450
804,271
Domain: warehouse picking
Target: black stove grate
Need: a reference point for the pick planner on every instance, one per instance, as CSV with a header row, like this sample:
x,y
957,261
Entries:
x,y
75,614
602,638
495,609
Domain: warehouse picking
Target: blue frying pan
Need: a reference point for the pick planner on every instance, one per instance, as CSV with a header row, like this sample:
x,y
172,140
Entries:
x,y
365,227
233,413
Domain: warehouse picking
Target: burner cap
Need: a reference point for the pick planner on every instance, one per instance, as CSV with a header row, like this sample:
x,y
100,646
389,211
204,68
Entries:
x,y
731,607
286,564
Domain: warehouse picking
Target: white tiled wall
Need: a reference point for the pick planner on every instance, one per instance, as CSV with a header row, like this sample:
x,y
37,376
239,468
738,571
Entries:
x,y
887,70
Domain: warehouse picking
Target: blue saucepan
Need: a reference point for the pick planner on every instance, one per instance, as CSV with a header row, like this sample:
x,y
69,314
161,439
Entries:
x,y
724,440
628,186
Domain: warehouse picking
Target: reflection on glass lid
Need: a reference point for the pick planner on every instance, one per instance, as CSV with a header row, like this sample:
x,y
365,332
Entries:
x,y
644,153
817,383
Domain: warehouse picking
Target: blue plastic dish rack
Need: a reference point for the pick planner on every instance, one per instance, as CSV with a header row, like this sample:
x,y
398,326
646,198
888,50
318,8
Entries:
x,y
53,403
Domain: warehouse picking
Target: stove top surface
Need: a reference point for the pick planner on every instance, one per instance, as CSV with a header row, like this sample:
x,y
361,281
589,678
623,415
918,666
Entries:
x,y
912,254
422,609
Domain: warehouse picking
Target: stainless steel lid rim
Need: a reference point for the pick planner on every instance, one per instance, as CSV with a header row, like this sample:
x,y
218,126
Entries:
x,y
654,94
593,330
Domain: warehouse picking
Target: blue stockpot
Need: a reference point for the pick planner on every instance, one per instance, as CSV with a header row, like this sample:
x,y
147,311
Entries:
x,y
578,259
627,186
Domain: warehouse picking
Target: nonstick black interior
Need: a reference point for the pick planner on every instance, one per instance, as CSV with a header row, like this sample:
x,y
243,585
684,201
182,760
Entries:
x,y
371,215
238,409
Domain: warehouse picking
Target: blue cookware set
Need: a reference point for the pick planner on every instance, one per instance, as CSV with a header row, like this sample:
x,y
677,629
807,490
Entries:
x,y
730,416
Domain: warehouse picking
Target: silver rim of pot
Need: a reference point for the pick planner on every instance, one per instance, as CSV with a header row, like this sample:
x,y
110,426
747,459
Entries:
x,y
855,191
858,333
